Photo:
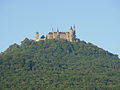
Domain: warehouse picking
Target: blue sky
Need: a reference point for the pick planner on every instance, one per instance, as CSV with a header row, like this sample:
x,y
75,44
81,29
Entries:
x,y
97,21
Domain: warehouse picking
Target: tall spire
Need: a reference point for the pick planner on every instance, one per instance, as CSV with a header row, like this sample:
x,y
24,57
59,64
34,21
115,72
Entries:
x,y
52,30
74,33
57,30
71,28
74,27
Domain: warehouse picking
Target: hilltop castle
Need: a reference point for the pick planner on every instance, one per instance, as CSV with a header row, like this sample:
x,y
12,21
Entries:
x,y
70,36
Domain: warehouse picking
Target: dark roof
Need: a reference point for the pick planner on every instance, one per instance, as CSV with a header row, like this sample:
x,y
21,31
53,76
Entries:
x,y
62,32
59,32
37,32
50,33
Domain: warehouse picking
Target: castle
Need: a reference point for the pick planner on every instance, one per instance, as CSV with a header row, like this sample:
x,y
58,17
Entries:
x,y
69,36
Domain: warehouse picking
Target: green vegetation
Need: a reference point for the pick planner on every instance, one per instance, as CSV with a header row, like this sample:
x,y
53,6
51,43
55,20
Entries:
x,y
58,65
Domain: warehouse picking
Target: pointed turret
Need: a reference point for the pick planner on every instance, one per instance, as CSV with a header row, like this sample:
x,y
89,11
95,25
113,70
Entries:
x,y
74,28
74,33
57,30
71,34
52,30
71,28
58,35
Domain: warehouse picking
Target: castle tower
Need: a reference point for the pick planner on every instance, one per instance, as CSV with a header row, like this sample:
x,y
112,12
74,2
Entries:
x,y
37,35
58,35
74,33
52,33
71,34
74,28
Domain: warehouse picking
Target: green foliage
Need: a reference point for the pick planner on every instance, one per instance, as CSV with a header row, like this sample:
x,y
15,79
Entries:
x,y
58,65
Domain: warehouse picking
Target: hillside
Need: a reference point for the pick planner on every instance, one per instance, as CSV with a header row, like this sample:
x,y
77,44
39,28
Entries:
x,y
58,65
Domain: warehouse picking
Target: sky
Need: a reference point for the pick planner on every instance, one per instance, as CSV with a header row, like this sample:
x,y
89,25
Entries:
x,y
97,21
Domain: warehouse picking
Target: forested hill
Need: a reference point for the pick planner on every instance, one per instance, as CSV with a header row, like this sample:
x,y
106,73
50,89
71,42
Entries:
x,y
58,65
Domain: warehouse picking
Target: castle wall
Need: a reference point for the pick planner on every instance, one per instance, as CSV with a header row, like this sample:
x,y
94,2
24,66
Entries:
x,y
50,36
67,36
63,35
54,35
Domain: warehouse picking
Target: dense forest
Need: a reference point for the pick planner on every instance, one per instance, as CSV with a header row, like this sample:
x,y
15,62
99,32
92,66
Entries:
x,y
58,65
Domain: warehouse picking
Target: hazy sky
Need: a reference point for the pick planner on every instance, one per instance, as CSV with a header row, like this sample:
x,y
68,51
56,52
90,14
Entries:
x,y
97,21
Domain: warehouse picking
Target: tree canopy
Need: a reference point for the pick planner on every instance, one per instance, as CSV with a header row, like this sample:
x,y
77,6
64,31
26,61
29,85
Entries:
x,y
58,65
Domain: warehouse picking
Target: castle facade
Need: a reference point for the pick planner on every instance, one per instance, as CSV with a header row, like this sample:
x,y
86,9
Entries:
x,y
70,36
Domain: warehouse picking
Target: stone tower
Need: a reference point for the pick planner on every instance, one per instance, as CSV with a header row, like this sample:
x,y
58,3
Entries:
x,y
72,34
37,35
